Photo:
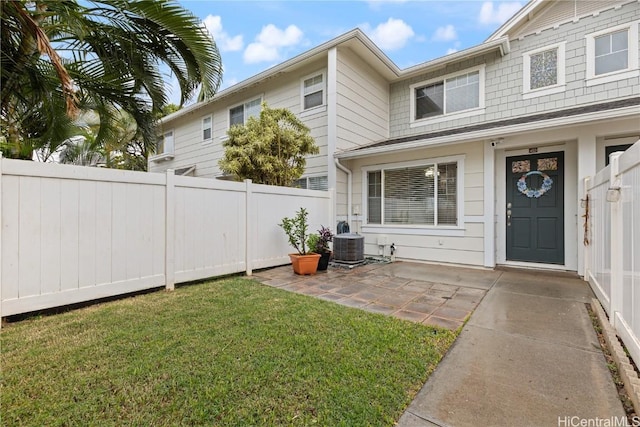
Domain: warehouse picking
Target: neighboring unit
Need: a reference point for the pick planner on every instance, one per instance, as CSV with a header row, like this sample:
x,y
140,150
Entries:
x,y
473,158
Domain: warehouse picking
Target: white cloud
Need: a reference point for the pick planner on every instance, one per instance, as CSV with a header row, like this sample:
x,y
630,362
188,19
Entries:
x,y
390,35
223,40
446,33
228,82
504,11
269,43
451,50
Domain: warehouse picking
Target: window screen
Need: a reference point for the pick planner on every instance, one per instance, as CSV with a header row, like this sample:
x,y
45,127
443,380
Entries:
x,y
313,92
463,92
206,128
419,195
612,52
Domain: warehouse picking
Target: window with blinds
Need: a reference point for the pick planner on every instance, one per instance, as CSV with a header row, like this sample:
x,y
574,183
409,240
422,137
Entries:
x,y
312,183
313,91
416,195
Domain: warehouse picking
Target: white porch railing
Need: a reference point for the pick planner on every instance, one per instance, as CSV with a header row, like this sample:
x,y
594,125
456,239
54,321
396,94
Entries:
x,y
70,234
612,255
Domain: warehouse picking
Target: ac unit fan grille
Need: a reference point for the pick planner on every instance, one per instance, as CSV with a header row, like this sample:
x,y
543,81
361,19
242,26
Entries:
x,y
348,248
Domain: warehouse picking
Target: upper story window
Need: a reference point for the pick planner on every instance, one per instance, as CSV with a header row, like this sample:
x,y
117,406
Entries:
x,y
459,94
313,91
165,143
207,125
544,71
612,54
418,193
238,115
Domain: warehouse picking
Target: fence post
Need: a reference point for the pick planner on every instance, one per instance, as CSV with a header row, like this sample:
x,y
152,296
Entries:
x,y
249,232
1,160
617,238
169,231
586,229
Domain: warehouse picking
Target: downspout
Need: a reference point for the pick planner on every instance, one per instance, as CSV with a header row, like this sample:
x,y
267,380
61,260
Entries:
x,y
349,190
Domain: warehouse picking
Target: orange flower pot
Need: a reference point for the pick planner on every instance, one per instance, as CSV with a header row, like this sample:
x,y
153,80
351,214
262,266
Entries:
x,y
304,264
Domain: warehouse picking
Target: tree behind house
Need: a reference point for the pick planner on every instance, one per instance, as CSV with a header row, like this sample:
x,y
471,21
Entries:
x,y
270,149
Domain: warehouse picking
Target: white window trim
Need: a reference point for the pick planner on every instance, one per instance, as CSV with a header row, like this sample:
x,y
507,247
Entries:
x,y
448,116
560,86
165,155
435,230
207,141
630,72
316,175
246,101
318,108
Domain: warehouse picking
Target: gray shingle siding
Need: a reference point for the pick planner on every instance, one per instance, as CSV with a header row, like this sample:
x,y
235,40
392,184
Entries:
x,y
503,77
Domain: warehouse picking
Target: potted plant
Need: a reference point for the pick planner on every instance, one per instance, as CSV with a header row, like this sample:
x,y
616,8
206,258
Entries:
x,y
305,261
319,243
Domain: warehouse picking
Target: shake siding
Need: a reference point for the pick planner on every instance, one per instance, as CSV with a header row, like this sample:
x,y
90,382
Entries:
x,y
465,249
281,92
564,11
362,103
503,77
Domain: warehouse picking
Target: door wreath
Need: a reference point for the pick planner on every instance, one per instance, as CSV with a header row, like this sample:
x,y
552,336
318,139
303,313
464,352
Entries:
x,y
547,182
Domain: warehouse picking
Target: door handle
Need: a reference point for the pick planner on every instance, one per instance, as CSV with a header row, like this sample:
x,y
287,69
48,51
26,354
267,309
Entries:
x,y
508,217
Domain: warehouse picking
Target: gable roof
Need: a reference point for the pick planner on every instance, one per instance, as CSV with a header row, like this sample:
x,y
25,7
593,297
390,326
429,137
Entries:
x,y
523,15
363,46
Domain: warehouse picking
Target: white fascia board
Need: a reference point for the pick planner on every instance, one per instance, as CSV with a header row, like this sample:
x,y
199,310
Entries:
x,y
502,44
493,132
523,14
282,67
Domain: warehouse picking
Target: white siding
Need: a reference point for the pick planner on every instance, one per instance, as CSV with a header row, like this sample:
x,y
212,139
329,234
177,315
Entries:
x,y
362,102
563,11
279,92
466,246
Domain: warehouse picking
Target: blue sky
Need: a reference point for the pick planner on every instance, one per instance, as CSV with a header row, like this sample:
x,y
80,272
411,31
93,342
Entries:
x,y
255,35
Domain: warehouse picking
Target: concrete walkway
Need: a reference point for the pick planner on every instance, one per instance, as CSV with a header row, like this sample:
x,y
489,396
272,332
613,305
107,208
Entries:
x,y
527,357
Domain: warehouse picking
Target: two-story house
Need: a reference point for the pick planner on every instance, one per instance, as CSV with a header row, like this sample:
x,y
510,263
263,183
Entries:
x,y
475,158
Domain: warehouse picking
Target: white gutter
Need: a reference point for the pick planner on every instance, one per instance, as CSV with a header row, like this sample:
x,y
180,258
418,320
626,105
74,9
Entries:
x,y
349,188
500,43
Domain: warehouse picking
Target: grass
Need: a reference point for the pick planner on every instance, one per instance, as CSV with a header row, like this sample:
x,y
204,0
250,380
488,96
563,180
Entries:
x,y
230,352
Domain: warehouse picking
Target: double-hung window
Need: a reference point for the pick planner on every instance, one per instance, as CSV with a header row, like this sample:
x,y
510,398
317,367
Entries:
x,y
420,193
544,71
207,125
454,95
239,114
164,144
612,54
313,91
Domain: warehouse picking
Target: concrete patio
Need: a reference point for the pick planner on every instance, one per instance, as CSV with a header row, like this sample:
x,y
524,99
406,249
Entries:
x,y
528,355
428,294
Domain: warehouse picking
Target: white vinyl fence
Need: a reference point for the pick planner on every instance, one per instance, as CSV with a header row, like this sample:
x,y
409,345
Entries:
x,y
612,257
71,234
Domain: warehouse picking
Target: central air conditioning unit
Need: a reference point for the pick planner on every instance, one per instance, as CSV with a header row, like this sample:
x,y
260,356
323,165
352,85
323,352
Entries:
x,y
348,248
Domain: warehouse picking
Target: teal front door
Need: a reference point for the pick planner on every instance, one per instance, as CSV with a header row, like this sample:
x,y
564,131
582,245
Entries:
x,y
535,208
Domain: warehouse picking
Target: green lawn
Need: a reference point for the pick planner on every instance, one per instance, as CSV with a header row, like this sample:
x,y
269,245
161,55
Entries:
x,y
228,352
